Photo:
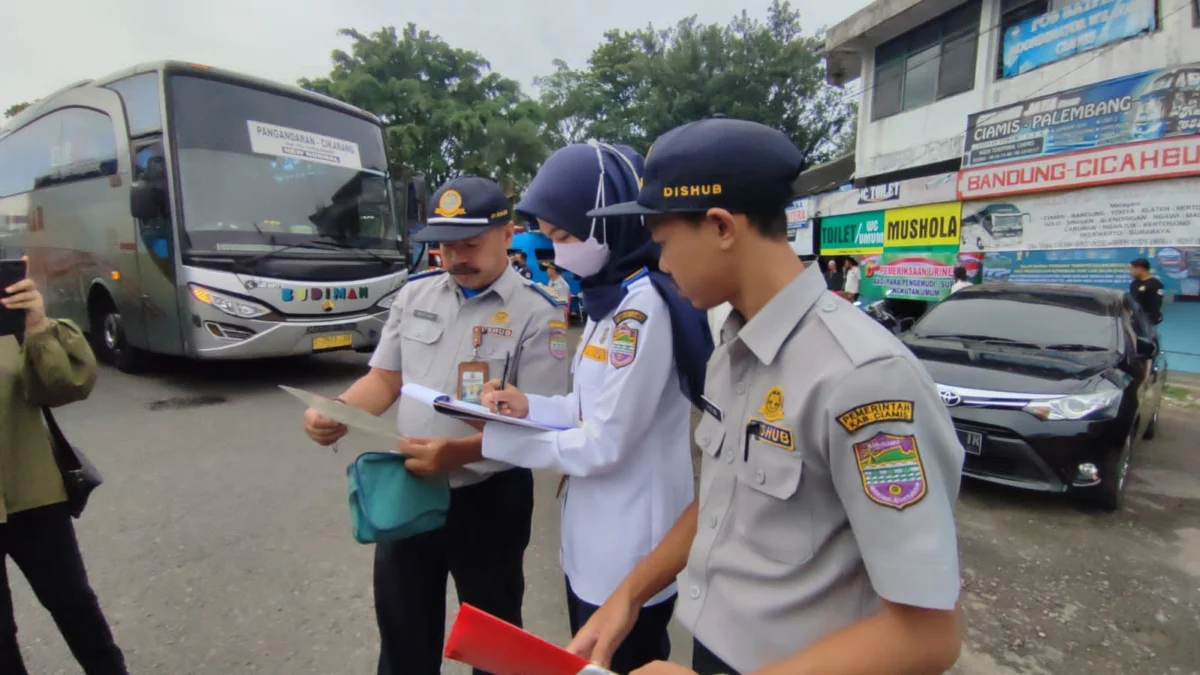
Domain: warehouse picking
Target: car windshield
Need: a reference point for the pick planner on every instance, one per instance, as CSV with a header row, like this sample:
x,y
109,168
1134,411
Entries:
x,y
261,172
1018,320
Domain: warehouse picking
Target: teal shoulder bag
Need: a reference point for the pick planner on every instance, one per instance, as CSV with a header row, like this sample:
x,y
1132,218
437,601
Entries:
x,y
387,503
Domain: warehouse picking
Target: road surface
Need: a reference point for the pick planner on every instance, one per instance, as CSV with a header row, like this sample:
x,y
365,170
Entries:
x,y
220,544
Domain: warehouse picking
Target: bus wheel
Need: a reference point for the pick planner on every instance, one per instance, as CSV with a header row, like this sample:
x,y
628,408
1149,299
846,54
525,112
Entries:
x,y
108,340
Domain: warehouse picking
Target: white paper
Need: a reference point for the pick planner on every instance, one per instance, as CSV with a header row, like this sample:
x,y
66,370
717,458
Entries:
x,y
453,407
272,139
349,415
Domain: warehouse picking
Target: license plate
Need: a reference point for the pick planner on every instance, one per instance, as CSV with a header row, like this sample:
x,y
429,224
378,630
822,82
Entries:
x,y
972,441
332,341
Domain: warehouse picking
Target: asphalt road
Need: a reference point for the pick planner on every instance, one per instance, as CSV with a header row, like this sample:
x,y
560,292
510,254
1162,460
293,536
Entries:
x,y
220,544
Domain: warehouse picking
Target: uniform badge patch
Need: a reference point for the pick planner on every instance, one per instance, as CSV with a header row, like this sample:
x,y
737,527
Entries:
x,y
776,436
558,339
772,407
624,346
891,470
873,413
630,315
500,317
497,330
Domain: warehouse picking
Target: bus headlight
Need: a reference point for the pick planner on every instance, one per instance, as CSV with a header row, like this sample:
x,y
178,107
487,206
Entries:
x,y
386,301
243,309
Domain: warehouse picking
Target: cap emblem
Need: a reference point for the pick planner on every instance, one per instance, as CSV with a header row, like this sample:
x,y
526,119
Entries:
x,y
450,205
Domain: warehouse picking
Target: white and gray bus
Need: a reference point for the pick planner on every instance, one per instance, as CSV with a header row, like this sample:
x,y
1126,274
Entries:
x,y
174,208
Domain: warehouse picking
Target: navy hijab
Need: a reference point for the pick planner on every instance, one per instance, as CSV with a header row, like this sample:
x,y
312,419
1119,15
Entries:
x,y
562,193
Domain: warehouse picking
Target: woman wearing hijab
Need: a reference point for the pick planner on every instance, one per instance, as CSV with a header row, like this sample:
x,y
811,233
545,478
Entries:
x,y
640,361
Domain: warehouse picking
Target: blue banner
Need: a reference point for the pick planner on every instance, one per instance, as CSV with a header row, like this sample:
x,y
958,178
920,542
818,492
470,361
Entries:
x,y
1177,267
1140,107
1062,33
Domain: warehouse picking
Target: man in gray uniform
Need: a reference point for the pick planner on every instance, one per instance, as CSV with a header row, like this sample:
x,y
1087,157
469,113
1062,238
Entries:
x,y
453,330
824,538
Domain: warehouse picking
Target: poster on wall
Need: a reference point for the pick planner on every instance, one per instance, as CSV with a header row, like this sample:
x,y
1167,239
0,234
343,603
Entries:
x,y
912,274
1157,213
1145,106
1062,33
1178,267
799,226
911,192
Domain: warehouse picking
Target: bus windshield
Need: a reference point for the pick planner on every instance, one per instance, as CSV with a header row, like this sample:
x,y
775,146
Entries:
x,y
260,172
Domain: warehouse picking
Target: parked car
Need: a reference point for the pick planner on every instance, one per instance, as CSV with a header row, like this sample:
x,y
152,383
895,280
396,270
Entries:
x,y
1050,387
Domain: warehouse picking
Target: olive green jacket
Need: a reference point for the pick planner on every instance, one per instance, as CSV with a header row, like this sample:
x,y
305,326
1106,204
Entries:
x,y
55,367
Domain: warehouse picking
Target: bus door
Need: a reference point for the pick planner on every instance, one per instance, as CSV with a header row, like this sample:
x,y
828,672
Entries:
x,y
155,322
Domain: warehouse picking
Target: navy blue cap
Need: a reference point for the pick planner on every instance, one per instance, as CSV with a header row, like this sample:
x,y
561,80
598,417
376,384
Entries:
x,y
463,208
717,162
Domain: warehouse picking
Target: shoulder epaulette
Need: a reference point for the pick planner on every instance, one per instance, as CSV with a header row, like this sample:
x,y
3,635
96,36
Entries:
x,y
426,274
550,297
640,274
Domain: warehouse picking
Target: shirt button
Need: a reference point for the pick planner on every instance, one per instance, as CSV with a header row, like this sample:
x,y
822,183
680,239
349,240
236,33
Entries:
x,y
712,521
741,389
695,592
760,477
729,458
705,439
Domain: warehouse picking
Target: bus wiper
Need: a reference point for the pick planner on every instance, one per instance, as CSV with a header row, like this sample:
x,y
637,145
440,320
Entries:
x,y
347,246
981,338
1070,347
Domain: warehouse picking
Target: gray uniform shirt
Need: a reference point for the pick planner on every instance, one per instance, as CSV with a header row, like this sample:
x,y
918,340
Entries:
x,y
829,475
429,332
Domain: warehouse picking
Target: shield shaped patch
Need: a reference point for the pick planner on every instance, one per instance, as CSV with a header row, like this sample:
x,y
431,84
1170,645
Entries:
x,y
891,470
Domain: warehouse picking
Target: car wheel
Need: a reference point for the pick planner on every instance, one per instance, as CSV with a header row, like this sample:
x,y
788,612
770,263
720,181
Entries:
x,y
1110,495
108,340
1152,428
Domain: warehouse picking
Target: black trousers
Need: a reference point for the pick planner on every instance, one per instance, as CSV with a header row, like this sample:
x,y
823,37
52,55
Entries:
x,y
42,543
648,641
705,662
482,546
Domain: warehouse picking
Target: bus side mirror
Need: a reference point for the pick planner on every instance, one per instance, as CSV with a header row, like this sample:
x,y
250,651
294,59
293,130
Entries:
x,y
145,200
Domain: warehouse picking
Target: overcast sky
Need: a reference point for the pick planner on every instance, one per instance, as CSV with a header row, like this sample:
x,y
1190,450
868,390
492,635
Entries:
x,y
45,44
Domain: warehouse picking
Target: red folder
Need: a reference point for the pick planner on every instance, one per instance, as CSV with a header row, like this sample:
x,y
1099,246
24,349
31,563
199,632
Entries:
x,y
482,641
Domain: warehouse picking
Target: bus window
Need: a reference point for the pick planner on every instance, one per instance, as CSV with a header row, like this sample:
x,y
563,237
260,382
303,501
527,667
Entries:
x,y
150,175
142,99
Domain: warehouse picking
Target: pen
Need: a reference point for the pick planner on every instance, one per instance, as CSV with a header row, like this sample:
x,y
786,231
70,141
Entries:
x,y
504,380
751,430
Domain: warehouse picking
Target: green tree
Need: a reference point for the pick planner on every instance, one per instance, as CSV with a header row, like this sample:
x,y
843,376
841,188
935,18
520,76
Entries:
x,y
446,113
14,109
642,83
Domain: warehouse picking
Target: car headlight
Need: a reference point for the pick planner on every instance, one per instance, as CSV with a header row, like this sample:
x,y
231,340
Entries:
x,y
1098,405
243,309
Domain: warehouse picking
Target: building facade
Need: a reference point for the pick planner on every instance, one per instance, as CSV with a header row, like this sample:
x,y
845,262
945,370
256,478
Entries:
x,y
1070,132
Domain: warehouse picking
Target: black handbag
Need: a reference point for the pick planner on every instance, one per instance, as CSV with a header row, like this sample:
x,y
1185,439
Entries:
x,y
79,476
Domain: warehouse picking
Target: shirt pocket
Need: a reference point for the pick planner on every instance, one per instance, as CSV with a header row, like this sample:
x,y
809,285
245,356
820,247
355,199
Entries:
x,y
769,517
419,342
710,435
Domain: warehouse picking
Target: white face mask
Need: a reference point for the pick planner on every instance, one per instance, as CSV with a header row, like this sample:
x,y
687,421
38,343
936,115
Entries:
x,y
582,258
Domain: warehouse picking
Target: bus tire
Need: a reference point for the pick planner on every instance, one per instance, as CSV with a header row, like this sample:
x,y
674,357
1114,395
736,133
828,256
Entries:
x,y
108,338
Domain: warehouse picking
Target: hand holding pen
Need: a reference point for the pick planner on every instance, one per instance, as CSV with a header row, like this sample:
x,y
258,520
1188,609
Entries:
x,y
503,399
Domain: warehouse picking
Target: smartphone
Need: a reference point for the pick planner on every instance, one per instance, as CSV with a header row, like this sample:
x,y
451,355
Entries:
x,y
12,321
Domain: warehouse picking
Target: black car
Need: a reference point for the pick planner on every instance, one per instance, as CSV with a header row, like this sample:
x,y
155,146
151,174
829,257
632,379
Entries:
x,y
1050,387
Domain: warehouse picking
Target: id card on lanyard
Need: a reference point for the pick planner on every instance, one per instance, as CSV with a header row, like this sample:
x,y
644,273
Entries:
x,y
474,373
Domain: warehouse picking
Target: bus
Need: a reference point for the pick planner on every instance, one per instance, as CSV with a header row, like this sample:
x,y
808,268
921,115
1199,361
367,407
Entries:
x,y
175,208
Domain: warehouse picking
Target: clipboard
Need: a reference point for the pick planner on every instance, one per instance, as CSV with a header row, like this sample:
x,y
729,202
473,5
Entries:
x,y
349,415
448,405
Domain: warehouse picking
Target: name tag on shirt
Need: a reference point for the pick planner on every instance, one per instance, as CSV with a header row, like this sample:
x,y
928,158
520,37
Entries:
x,y
428,316
596,353
712,409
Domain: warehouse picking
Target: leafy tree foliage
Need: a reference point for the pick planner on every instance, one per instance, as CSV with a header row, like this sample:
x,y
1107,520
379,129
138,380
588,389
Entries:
x,y
446,114
14,109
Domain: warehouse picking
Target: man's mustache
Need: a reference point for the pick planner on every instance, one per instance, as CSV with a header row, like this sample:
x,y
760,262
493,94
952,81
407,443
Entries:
x,y
463,268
